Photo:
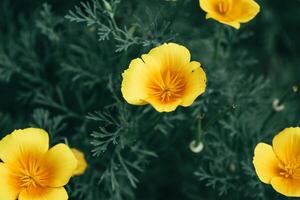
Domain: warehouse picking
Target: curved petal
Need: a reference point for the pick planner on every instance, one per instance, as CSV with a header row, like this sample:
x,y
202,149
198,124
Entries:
x,y
23,141
286,186
39,193
164,107
286,145
208,5
171,55
82,164
61,162
8,189
132,87
265,162
196,83
244,10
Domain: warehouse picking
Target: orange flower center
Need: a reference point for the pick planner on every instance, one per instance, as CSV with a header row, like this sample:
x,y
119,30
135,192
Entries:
x,y
29,172
168,87
223,6
290,170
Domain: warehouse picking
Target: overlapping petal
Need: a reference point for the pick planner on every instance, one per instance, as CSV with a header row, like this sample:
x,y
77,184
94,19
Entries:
x,y
265,162
286,145
61,162
44,194
20,142
8,189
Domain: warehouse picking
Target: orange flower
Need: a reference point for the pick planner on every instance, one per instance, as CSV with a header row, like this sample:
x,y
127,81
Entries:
x,y
230,12
165,78
32,171
280,165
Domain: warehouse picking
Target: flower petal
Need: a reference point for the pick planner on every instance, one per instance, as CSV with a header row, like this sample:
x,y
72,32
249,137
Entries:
x,y
163,106
62,163
40,193
286,186
265,162
286,145
171,55
23,141
132,88
82,164
8,190
244,10
196,83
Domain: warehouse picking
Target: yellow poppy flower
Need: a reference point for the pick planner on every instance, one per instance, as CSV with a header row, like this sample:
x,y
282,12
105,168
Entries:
x,y
230,12
32,171
280,165
82,164
164,78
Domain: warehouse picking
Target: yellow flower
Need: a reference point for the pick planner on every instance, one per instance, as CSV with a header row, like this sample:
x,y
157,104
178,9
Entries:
x,y
280,165
82,164
230,12
32,171
164,78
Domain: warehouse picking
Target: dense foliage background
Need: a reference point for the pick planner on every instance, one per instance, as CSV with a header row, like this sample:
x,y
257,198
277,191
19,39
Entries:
x,y
60,69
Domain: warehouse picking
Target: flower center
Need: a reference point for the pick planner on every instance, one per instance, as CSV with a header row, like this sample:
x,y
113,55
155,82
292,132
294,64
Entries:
x,y
223,6
290,170
168,87
30,173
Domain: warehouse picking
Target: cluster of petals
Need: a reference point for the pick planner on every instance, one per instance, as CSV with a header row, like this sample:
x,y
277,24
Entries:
x,y
279,165
30,170
165,78
230,12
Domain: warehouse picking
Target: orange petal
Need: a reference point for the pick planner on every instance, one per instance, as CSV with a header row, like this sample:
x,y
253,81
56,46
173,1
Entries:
x,y
20,142
265,162
286,186
40,193
286,145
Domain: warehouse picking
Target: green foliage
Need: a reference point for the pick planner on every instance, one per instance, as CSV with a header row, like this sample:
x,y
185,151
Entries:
x,y
60,69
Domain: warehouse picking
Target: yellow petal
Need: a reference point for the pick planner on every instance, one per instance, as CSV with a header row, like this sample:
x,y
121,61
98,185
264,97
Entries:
x,y
171,55
81,165
132,87
8,189
196,83
208,5
286,145
62,163
265,162
286,186
20,142
39,193
244,10
164,107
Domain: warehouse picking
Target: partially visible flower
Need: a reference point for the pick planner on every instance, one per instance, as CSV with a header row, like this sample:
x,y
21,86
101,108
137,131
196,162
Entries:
x,y
230,12
32,171
81,165
280,165
164,78
277,106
